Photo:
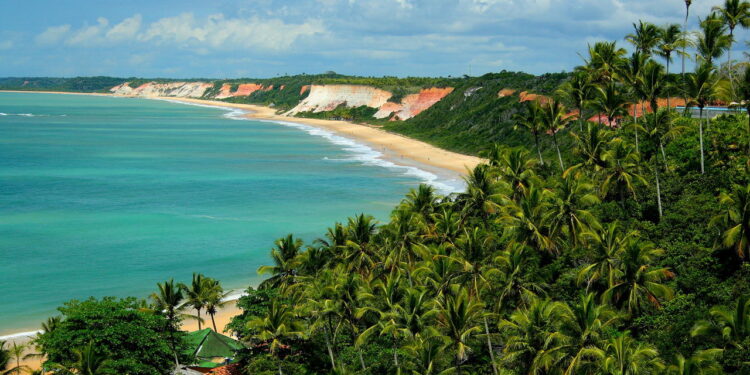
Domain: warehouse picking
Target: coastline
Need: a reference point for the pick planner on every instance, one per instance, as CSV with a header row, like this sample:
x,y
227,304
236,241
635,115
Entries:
x,y
400,150
395,144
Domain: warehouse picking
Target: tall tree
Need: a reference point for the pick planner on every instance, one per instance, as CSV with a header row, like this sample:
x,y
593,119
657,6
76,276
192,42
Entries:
x,y
700,89
734,221
685,29
645,37
734,13
672,39
531,119
284,270
215,299
554,119
732,324
88,362
196,295
580,91
168,301
276,327
459,317
713,39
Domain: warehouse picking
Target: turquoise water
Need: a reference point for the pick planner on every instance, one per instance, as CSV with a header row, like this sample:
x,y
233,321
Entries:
x,y
107,196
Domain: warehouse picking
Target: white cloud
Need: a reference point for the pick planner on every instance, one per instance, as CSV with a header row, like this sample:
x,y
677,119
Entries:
x,y
88,35
53,34
216,31
125,30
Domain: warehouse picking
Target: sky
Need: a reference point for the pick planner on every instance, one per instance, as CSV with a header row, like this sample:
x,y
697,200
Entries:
x,y
267,38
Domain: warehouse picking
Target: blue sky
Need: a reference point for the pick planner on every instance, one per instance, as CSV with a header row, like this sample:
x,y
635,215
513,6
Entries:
x,y
265,38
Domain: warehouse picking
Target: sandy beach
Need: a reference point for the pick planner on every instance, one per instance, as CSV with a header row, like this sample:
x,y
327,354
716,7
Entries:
x,y
399,146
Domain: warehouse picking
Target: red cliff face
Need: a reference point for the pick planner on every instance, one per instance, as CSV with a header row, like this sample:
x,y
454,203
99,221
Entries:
x,y
414,104
505,92
246,89
304,89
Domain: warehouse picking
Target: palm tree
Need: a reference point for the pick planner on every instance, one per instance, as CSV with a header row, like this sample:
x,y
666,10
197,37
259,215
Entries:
x,y
459,317
645,37
580,91
637,282
735,219
713,39
611,101
88,362
196,295
733,325
168,301
702,362
533,339
15,353
516,169
744,92
672,38
684,47
570,208
604,61
622,171
658,129
654,84
554,119
734,13
529,221
425,353
215,299
421,201
607,245
276,327
585,323
631,73
384,300
284,270
591,147
700,88
531,119
624,355
483,195
360,251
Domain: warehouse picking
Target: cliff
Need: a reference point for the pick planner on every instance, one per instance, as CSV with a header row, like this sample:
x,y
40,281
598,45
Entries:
x,y
153,89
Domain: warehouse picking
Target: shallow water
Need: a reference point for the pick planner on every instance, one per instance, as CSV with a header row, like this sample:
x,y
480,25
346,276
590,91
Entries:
x,y
107,196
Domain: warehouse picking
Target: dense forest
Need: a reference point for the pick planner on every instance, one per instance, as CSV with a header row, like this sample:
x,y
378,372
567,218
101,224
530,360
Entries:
x,y
615,246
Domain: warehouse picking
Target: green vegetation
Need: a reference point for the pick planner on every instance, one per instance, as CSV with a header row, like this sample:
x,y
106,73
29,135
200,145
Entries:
x,y
615,246
77,84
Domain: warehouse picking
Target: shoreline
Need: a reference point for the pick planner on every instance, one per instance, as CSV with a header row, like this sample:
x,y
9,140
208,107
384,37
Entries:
x,y
395,144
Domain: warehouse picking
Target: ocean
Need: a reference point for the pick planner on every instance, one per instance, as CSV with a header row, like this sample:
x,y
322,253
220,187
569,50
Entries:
x,y
105,196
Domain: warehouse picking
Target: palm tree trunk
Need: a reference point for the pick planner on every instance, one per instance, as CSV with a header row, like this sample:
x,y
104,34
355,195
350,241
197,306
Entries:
x,y
663,154
700,129
395,354
684,29
729,61
635,121
658,189
280,373
668,94
213,321
489,346
199,318
538,149
361,360
330,351
559,156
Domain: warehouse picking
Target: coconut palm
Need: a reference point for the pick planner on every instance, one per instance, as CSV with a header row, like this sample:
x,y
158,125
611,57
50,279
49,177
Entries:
x,y
534,343
195,295
654,84
15,354
671,40
585,323
604,61
734,13
383,299
168,301
277,327
734,221
631,72
531,119
580,91
425,353
360,252
637,282
623,355
516,169
459,316
570,214
659,129
88,362
713,39
607,244
530,220
591,146
483,194
685,28
702,362
622,170
645,37
700,89
554,119
421,201
284,270
611,101
733,325
215,299
744,92
4,357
